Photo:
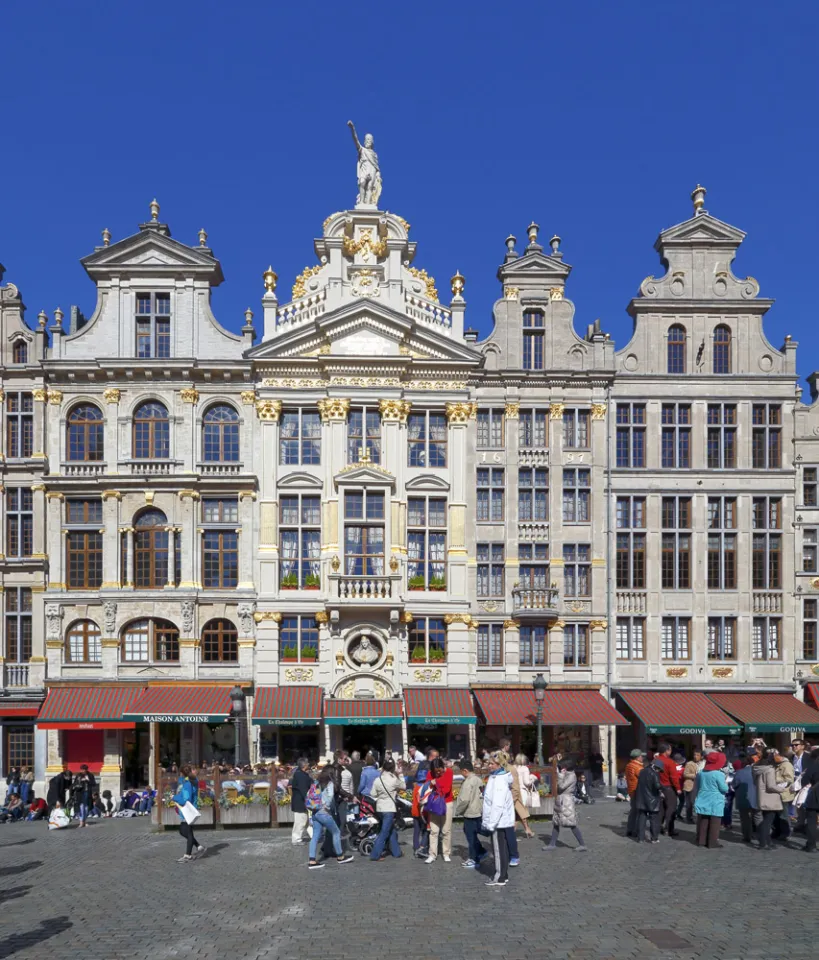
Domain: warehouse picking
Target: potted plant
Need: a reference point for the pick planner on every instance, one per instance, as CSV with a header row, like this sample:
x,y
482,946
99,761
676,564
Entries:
x,y
419,654
312,581
436,655
290,654
309,653
289,582
437,583
417,583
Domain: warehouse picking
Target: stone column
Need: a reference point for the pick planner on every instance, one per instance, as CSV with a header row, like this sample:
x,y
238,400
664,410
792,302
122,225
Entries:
x,y
598,640
246,545
171,583
268,412
129,558
267,647
39,507
188,452
112,573
112,398
110,777
458,416
189,499
457,641
511,653
40,441
555,660
55,535
334,411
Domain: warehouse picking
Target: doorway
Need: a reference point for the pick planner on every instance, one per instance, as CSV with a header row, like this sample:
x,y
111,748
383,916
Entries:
x,y
136,752
364,739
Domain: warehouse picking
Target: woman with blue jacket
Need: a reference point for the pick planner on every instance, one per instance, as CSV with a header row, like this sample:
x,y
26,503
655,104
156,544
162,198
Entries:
x,y
187,792
710,803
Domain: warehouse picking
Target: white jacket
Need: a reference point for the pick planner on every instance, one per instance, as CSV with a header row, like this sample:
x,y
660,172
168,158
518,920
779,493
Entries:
x,y
498,805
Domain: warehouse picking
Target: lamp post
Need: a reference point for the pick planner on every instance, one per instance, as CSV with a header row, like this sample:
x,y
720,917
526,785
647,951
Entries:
x,y
539,684
237,706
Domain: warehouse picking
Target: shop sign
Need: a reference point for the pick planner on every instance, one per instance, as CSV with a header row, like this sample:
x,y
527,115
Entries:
x,y
273,722
438,721
697,731
177,718
361,721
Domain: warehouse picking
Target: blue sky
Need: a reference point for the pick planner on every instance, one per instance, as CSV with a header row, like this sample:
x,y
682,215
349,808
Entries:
x,y
595,119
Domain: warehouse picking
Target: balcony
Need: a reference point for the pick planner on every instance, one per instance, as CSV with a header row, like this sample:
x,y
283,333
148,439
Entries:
x,y
767,602
219,469
631,601
351,589
534,532
541,601
533,457
15,675
82,468
148,468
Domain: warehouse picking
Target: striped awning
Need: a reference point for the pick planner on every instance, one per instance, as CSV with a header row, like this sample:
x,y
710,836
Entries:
x,y
769,712
89,707
425,705
679,711
516,706
176,703
362,713
812,695
19,709
287,706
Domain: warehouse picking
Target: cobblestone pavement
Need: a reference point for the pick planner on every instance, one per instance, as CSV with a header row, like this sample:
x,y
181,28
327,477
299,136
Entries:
x,y
115,891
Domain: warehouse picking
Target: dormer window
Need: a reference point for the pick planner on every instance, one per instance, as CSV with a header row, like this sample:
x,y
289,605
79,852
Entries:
x,y
153,325
19,352
533,337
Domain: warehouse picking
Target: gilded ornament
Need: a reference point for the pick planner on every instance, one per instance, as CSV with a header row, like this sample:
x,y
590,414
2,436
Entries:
x,y
189,395
428,281
556,411
512,410
394,564
511,293
339,658
53,495
335,563
111,395
55,397
429,676
722,673
394,410
511,625
193,494
248,397
348,690
269,410
815,583
300,286
270,278
461,412
324,225
598,625
333,408
407,617
364,382
299,675
457,283
389,660
365,245
291,383
458,618
558,625
556,293
41,396
321,617
449,385
273,615
676,673
247,494
598,411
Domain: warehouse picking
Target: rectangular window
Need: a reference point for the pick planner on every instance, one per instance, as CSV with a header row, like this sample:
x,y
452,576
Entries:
x,y
364,534
490,428
299,639
631,513
676,436
491,489
576,645
153,325
809,625
534,429
426,531
84,559
766,442
490,570
675,561
721,436
809,548
83,511
533,645
576,495
533,494
576,570
220,543
676,632
18,625
427,641
490,645
533,339
631,435
300,542
809,484
631,638
722,638
19,425
19,522
364,433
766,546
19,747
576,429
426,439
216,510
533,572
766,637
722,545
631,561
300,437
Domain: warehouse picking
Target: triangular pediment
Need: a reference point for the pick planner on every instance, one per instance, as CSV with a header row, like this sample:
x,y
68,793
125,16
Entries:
x,y
702,229
150,250
369,473
534,264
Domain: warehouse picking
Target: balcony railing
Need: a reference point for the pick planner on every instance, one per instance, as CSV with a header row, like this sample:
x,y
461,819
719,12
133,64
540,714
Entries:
x,y
83,469
533,457
15,675
631,601
219,469
364,589
766,602
151,468
537,599
533,532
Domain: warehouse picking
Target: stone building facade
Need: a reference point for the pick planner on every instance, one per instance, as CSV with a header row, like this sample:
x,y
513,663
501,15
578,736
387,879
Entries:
x,y
382,529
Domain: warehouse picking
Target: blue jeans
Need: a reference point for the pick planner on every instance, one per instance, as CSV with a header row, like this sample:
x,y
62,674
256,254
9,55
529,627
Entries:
x,y
472,826
25,791
145,805
323,821
728,811
83,812
386,834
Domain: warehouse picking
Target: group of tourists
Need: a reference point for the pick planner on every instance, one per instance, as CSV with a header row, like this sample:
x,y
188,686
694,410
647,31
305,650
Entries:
x,y
775,793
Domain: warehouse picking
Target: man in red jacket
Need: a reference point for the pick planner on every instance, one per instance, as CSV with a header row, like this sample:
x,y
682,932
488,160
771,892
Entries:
x,y
670,789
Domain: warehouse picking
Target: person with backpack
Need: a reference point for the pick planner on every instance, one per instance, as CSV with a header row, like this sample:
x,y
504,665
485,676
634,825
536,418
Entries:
x,y
320,803
385,794
187,792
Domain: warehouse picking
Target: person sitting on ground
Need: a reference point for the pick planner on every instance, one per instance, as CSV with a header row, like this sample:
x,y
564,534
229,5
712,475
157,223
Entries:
x,y
15,808
37,809
146,803
58,819
581,793
369,772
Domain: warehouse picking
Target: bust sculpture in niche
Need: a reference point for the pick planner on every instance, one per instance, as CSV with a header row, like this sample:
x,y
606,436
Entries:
x,y
365,653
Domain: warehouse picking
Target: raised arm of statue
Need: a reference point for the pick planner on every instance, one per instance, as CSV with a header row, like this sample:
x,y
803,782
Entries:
x,y
351,125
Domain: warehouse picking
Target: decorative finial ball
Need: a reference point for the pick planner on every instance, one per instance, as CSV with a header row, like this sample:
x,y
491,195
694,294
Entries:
x,y
203,237
698,197
270,278
458,284
532,231
554,243
154,210
58,317
788,336
249,317
42,318
510,242
106,237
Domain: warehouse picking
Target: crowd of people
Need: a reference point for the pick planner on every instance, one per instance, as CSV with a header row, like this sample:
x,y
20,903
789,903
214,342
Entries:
x,y
774,792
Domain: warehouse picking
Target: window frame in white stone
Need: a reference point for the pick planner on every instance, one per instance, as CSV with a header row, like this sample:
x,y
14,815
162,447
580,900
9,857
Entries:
x,y
492,493
675,436
676,361
676,622
762,642
529,640
491,569
153,317
305,444
300,629
413,639
491,428
151,640
533,340
536,559
625,639
426,444
370,444
721,351
227,432
19,522
573,495
630,435
90,526
810,486
572,646
365,523
531,420
431,535
766,436
306,565
90,431
810,624
722,539
680,536
577,557
91,642
533,496
159,447
219,528
19,424
491,638
810,550
16,612
576,426
229,635
770,538
720,431
722,638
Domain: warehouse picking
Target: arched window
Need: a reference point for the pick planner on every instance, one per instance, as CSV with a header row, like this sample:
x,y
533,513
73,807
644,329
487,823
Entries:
x,y
151,550
82,643
86,430
19,352
144,641
151,431
220,434
722,349
676,349
220,642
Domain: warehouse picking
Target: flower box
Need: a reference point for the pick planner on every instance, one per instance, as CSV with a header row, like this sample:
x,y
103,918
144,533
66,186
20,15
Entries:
x,y
170,816
244,813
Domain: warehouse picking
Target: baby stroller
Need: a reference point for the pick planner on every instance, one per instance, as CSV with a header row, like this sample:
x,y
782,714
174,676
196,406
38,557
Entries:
x,y
363,826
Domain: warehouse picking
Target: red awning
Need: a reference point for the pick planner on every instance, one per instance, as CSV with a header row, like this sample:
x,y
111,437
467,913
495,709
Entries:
x,y
362,712
287,706
812,695
516,706
429,705
679,711
769,712
88,708
176,703
19,709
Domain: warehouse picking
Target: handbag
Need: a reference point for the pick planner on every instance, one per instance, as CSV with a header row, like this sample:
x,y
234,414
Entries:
x,y
801,797
190,813
435,803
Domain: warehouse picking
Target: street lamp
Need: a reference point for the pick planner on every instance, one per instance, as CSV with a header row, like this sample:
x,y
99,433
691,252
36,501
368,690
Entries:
x,y
237,706
539,684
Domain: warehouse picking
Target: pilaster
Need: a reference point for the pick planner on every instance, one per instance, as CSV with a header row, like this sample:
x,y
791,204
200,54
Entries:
x,y
511,653
55,536
458,416
112,397
555,661
247,499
